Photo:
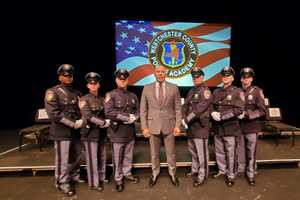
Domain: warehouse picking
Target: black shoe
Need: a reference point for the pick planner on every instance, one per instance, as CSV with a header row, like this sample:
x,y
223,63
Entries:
x,y
174,180
217,174
132,179
198,182
119,187
152,181
229,182
251,181
66,189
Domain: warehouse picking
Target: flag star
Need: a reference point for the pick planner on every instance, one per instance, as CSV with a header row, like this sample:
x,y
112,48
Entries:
x,y
124,35
141,21
144,53
136,39
129,26
153,33
147,44
124,21
118,23
119,43
142,30
117,48
131,48
128,52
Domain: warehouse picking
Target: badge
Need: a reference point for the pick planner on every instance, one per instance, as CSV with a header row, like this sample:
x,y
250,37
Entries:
x,y
261,94
242,96
133,101
196,96
107,97
229,97
49,95
207,94
82,103
250,97
73,101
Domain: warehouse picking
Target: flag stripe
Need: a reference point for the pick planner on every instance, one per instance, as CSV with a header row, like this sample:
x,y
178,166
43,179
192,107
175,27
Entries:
x,y
178,26
205,29
211,57
214,81
140,72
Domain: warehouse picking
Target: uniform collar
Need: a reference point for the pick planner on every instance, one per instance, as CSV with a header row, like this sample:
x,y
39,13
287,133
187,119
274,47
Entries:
x,y
93,95
122,90
247,88
228,88
68,87
199,86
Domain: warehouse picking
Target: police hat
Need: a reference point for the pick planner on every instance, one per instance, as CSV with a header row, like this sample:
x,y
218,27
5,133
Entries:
x,y
247,72
65,69
121,74
197,71
227,71
92,77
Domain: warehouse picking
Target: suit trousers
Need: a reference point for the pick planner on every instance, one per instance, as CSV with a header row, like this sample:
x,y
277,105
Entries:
x,y
155,144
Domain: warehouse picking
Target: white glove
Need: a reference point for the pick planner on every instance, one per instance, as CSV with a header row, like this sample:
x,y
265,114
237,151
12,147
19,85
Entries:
x,y
78,124
132,119
184,124
107,123
241,116
216,116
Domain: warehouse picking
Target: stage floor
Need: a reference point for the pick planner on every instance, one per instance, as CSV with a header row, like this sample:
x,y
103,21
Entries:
x,y
271,184
32,158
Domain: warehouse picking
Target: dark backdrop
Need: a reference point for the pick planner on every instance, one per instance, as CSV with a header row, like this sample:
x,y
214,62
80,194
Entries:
x,y
36,39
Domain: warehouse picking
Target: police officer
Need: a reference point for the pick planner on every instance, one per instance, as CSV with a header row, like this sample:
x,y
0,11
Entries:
x,y
61,103
122,108
94,134
228,103
195,112
251,124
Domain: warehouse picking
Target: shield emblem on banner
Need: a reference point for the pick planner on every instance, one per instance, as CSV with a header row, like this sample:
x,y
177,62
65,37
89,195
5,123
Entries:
x,y
173,54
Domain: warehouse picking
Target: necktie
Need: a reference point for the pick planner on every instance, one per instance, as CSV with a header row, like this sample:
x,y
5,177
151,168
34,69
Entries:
x,y
160,94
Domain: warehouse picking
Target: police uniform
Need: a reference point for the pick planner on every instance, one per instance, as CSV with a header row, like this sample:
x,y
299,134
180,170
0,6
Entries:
x,y
251,124
61,103
195,113
94,134
121,106
228,103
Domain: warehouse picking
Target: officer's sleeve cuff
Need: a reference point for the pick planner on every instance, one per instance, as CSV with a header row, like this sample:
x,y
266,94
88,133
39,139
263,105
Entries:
x,y
67,122
190,117
253,114
227,116
123,118
97,121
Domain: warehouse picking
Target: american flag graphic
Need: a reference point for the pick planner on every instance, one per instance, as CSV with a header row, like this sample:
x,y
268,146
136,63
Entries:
x,y
133,39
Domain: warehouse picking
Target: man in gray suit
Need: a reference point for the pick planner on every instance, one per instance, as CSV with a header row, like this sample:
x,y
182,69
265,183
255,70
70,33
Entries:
x,y
160,111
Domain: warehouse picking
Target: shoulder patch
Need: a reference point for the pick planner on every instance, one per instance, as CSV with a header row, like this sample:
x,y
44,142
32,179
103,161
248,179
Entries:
x,y
82,103
207,94
242,96
107,97
49,95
